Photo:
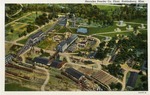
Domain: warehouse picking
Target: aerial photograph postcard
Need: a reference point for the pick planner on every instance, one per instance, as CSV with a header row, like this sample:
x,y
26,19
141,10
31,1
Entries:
x,y
76,47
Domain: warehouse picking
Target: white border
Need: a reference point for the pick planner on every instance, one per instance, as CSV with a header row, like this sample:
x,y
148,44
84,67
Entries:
x,y
2,57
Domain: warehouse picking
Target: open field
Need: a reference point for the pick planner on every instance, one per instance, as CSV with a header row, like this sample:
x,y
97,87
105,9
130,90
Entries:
x,y
16,87
17,29
46,27
115,33
7,48
26,76
23,41
30,19
48,44
59,82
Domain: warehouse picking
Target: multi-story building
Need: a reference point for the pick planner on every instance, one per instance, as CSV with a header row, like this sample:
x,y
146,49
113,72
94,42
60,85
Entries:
x,y
37,37
65,44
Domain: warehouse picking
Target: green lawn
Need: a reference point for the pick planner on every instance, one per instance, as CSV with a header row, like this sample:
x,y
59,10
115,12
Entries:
x,y
63,30
58,84
7,48
94,30
48,44
16,87
30,19
46,27
72,30
114,34
138,81
99,37
18,29
23,41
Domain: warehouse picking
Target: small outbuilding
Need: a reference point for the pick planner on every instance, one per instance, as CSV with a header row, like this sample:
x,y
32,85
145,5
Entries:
x,y
82,30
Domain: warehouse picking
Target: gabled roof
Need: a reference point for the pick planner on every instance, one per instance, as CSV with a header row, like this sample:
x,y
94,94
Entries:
x,y
69,40
55,63
41,60
62,43
74,73
132,79
36,34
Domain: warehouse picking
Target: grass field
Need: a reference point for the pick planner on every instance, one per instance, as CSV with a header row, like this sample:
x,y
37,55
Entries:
x,y
18,29
7,48
23,41
30,19
16,87
48,44
56,84
138,81
46,27
114,34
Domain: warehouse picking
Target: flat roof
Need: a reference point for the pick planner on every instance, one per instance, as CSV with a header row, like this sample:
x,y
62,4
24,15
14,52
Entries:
x,y
82,30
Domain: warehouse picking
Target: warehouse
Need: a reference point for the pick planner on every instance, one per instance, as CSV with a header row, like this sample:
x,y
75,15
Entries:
x,y
37,37
132,79
40,60
65,44
74,73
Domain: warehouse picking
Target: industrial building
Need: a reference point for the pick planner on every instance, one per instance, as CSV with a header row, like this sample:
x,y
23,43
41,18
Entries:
x,y
65,44
132,79
63,22
57,64
54,63
8,58
40,60
76,74
37,37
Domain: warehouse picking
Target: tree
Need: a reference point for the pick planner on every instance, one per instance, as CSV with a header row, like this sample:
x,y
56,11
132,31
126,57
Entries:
x,y
115,86
12,30
42,51
50,16
118,86
143,78
89,21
